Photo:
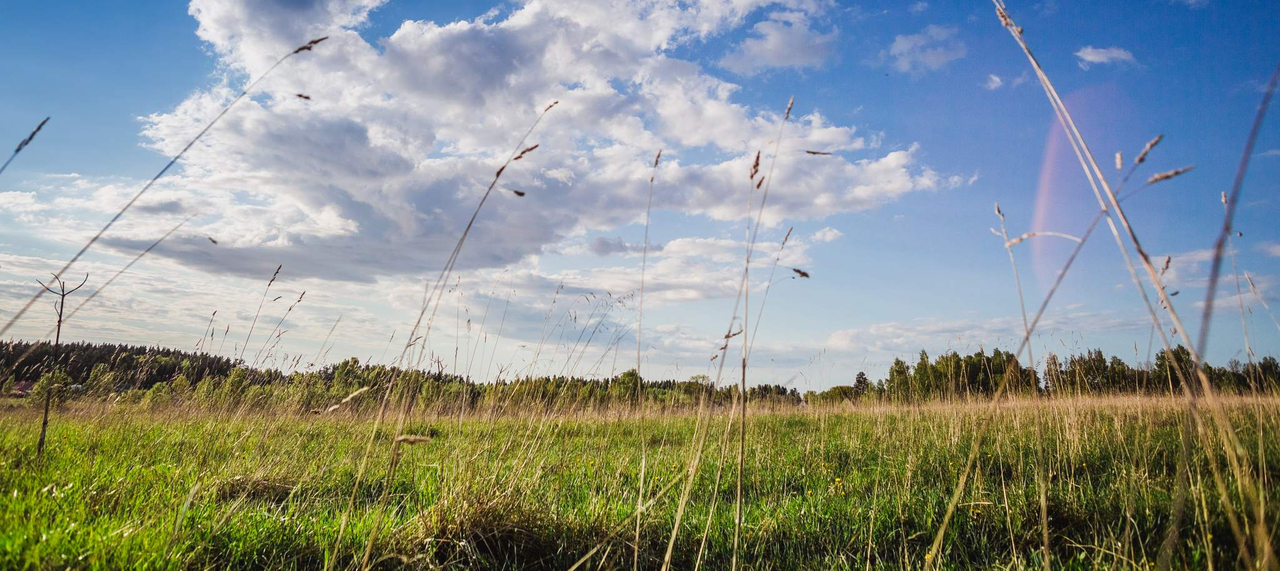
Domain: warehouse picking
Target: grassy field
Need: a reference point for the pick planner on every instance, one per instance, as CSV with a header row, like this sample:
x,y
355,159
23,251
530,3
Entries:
x,y
853,488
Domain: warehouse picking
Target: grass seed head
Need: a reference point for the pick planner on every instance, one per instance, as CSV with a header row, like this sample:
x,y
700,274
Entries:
x,y
27,141
1142,157
527,150
311,44
1166,175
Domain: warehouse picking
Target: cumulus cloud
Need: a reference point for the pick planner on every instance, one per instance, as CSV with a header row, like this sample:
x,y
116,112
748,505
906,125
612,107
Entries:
x,y
929,50
827,234
784,40
377,173
1090,55
1270,248
993,82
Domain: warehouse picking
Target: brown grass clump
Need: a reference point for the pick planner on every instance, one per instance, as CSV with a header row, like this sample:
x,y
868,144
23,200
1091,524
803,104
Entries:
x,y
254,488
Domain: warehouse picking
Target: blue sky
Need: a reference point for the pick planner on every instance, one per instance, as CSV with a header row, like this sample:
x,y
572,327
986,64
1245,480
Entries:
x,y
929,108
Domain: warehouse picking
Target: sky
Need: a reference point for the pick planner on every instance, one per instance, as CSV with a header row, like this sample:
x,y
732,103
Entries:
x,y
929,111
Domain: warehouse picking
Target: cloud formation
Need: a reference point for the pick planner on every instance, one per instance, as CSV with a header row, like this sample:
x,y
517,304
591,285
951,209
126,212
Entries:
x,y
928,50
784,40
827,234
377,171
1090,55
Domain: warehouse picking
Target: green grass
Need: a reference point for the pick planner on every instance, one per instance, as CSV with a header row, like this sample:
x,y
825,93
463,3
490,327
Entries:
x,y
822,490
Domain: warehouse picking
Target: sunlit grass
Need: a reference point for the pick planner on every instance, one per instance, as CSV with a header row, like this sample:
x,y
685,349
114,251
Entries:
x,y
822,489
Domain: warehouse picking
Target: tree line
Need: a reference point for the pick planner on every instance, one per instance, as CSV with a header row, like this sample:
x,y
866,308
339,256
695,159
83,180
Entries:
x,y
955,376
157,376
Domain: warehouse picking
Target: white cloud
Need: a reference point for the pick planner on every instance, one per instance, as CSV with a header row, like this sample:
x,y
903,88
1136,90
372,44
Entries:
x,y
1270,248
929,50
1185,268
369,182
827,234
784,40
378,171
20,202
1089,55
993,82
918,7
1269,153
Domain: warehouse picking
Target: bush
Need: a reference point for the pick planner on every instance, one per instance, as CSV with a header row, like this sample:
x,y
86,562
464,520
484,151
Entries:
x,y
57,381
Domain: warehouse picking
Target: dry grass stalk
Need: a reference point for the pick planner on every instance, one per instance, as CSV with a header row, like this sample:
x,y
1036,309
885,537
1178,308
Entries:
x,y
744,289
1166,175
644,446
1096,180
1262,300
23,144
1041,479
1028,235
431,302
1142,156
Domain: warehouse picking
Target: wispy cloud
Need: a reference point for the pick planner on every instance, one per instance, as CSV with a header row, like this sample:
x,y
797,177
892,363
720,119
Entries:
x,y
929,50
993,82
1090,55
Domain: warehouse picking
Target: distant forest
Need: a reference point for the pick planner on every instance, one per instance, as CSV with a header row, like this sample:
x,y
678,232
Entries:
x,y
160,376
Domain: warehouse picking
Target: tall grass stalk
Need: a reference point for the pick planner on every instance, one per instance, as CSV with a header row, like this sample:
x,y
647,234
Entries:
x,y
430,302
23,144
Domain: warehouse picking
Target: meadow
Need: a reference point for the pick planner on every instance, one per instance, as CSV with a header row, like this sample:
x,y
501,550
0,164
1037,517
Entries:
x,y
160,459
851,487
